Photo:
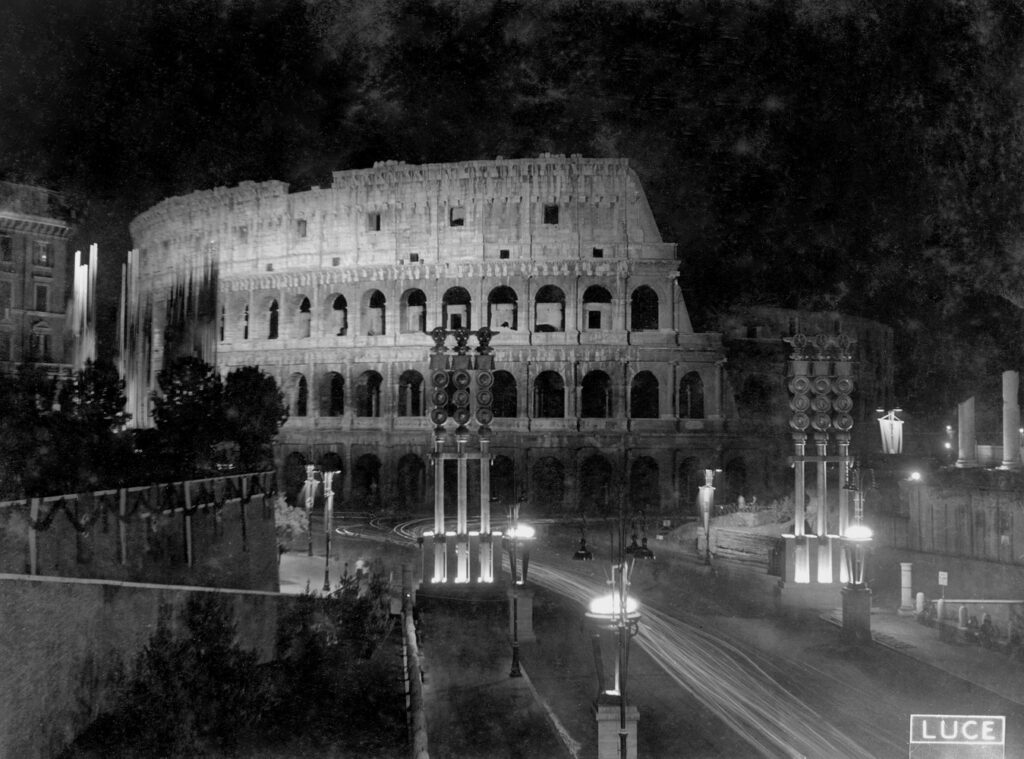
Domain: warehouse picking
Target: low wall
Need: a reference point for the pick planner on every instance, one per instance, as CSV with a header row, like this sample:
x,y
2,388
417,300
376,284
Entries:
x,y
63,641
968,578
216,532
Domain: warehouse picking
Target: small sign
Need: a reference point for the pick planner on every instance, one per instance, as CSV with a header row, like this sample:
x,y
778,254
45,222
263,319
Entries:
x,y
943,579
944,736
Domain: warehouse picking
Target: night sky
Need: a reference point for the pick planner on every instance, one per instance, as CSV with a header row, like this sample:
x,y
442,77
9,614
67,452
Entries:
x,y
857,155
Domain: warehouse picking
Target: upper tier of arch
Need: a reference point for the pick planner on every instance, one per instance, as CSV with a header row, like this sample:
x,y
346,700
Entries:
x,y
549,208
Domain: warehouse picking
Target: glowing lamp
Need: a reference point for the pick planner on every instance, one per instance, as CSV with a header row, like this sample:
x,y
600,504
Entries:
x,y
609,608
855,543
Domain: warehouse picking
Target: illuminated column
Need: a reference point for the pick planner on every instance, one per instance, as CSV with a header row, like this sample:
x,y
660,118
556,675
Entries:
x,y
1011,421
843,439
966,441
486,546
440,564
462,520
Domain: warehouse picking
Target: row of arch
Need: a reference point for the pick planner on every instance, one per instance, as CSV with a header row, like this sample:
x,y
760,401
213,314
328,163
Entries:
x,y
548,400
369,486
271,318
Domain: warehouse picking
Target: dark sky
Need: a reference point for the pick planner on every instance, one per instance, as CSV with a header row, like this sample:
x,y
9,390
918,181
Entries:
x,y
862,155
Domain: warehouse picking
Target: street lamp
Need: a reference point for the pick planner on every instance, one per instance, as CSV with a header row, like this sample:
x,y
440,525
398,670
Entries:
x,y
706,500
583,553
517,532
619,612
855,594
328,521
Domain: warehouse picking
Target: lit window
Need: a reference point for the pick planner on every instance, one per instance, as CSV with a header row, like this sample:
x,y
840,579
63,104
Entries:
x,y
43,254
457,216
551,214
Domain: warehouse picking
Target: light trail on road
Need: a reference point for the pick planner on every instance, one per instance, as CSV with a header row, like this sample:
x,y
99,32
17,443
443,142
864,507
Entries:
x,y
722,677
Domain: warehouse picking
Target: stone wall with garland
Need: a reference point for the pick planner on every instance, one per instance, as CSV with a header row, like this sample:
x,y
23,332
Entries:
x,y
216,532
63,641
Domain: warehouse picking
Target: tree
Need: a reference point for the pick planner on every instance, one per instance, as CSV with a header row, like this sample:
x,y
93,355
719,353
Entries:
x,y
254,411
188,412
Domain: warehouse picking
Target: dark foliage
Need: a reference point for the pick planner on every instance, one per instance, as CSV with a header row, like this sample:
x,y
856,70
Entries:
x,y
253,413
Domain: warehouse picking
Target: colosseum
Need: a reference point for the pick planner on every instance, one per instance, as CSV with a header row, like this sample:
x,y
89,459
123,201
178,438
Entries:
x,y
599,378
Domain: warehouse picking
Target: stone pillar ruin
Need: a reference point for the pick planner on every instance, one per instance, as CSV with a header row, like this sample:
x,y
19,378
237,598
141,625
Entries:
x,y
967,444
1011,421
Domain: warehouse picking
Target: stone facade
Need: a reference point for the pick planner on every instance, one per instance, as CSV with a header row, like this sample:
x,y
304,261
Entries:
x,y
34,228
600,378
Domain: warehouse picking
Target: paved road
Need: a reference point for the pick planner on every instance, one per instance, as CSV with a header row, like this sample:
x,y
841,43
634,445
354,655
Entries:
x,y
716,674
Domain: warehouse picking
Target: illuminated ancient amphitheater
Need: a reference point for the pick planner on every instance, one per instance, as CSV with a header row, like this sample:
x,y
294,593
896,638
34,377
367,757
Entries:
x,y
599,377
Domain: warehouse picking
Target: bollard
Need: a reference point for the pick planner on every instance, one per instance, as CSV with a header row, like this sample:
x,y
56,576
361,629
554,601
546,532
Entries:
x,y
919,603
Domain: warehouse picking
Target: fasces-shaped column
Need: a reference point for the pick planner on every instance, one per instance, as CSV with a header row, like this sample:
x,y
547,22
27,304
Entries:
x,y
1011,421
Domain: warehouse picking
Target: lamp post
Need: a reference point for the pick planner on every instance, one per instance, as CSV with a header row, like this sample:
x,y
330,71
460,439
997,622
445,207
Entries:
x,y
310,498
517,532
706,500
328,522
619,612
583,553
855,594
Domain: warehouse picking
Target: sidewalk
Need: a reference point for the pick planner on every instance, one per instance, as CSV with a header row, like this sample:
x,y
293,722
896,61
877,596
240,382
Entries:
x,y
991,670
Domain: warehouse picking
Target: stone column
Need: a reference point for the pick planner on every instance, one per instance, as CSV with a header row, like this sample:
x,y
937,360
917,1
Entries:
x,y
966,441
1011,421
906,588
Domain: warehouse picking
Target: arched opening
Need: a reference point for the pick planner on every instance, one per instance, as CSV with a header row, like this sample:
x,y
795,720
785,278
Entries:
x,y
502,309
503,483
413,311
367,394
410,394
549,480
548,396
294,476
337,319
644,492
643,396
303,319
595,487
644,309
298,395
272,320
597,309
504,389
549,307
735,480
374,313
455,308
691,396
332,462
245,322
366,483
690,479
332,395
596,396
412,483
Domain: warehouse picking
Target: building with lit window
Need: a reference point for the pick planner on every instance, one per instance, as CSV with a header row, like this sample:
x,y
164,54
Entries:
x,y
599,377
34,228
